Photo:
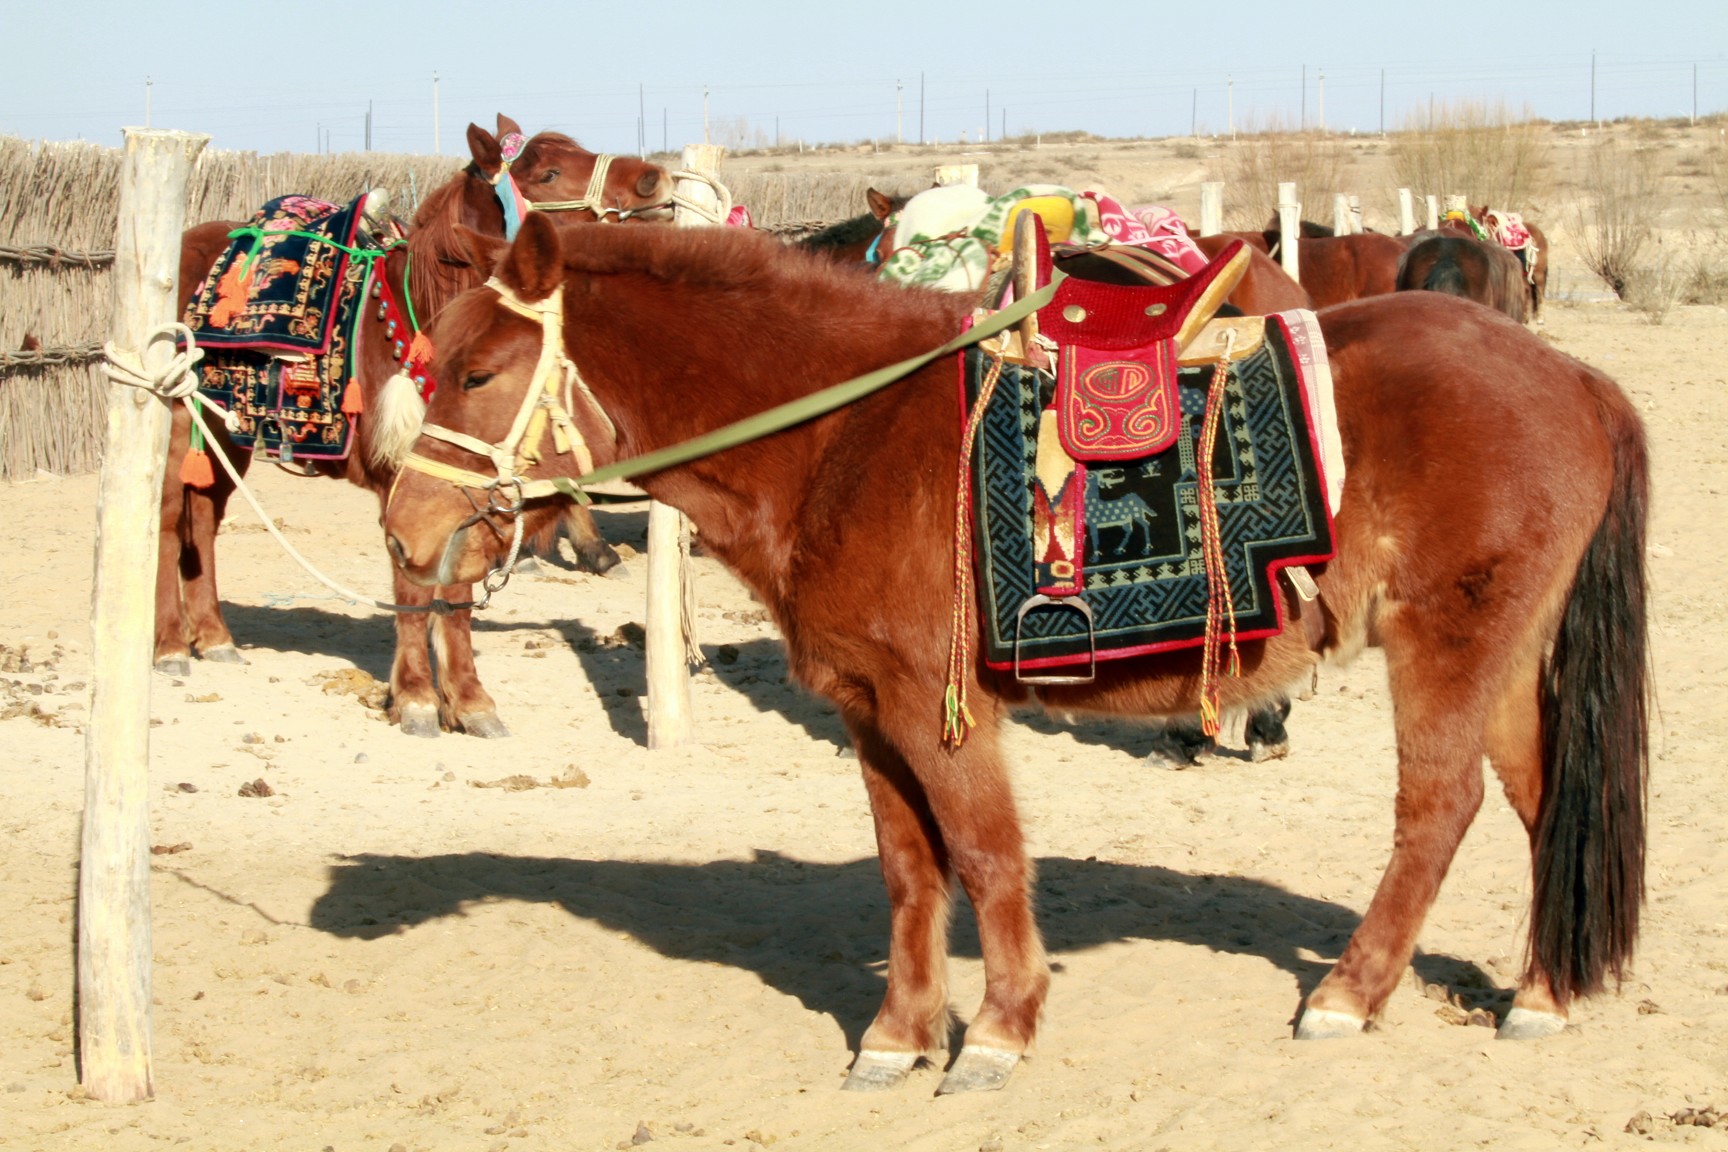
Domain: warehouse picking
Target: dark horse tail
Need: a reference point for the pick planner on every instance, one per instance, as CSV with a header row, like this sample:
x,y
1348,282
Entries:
x,y
1589,837
1445,274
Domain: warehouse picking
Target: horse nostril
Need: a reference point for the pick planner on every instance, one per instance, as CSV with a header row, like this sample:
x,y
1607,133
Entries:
x,y
649,182
397,552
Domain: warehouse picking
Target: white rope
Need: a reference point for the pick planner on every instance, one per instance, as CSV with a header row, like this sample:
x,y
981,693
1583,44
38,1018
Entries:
x,y
714,214
173,381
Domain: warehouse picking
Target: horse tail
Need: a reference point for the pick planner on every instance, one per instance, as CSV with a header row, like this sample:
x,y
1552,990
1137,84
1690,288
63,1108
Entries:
x,y
1446,274
1590,828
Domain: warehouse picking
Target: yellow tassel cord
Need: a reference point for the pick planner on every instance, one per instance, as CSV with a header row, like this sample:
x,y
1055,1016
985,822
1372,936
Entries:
x,y
1220,604
956,716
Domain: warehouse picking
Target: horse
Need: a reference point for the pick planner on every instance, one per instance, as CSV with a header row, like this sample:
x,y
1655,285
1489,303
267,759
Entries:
x,y
857,242
1332,268
1490,540
1534,276
1460,264
550,167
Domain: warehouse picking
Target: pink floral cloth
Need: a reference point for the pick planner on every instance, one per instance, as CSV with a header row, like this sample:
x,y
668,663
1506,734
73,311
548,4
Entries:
x,y
1151,226
739,217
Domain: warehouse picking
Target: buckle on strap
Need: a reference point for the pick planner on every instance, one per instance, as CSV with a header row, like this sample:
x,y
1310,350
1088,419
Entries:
x,y
1075,603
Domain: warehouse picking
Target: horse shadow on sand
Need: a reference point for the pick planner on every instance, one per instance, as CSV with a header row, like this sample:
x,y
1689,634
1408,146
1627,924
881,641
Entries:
x,y
819,931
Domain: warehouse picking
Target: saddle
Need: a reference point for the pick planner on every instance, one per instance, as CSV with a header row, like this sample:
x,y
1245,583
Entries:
x,y
277,315
1138,490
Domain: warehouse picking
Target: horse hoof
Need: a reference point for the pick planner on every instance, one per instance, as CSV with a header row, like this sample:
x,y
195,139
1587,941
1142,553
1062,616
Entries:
x,y
978,1070
222,654
1322,1024
485,725
1171,752
175,665
599,560
1523,1024
878,1071
420,720
1260,753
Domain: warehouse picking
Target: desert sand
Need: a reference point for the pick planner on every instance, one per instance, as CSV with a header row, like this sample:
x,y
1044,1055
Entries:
x,y
403,946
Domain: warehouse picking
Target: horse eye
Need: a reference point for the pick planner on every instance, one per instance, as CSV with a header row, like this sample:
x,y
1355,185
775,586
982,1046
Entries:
x,y
475,380
550,175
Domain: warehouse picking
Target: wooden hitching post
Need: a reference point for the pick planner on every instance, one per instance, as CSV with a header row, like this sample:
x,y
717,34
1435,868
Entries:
x,y
1289,230
1433,212
1211,208
114,860
670,720
1406,212
948,174
1340,214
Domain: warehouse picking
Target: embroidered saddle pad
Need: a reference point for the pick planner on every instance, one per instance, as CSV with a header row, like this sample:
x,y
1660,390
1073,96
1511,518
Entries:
x,y
276,316
1134,520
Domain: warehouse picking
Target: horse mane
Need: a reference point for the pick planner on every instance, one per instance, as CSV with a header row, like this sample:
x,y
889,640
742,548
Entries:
x,y
439,271
846,232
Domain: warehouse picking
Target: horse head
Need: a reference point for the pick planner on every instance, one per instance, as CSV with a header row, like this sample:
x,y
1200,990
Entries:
x,y
507,398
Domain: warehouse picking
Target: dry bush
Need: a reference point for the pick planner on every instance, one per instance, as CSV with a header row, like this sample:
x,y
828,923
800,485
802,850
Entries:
x,y
1653,288
778,199
1612,215
1706,273
1484,154
1715,168
1257,164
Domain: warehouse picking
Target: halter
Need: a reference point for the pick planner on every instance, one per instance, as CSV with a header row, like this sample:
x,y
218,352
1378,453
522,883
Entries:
x,y
516,206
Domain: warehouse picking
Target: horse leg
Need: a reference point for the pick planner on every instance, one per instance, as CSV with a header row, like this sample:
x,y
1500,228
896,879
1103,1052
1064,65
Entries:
x,y
205,508
413,701
1439,717
913,1019
1267,739
464,702
593,553
1179,743
1515,750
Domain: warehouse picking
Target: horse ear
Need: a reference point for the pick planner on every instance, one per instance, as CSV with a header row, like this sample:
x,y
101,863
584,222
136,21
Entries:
x,y
534,266
483,146
483,251
507,126
881,206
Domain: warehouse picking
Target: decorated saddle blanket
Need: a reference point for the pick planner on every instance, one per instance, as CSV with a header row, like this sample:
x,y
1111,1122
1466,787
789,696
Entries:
x,y
277,316
954,238
1117,522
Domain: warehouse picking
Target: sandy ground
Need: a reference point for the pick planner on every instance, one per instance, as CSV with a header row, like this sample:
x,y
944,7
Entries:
x,y
685,945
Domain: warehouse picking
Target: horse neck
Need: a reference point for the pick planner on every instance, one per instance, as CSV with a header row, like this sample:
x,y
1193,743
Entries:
x,y
440,270
663,384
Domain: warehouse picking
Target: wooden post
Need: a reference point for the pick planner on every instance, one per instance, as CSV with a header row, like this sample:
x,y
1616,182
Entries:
x,y
670,720
1356,215
1433,212
948,174
114,858
1289,230
1211,208
1457,203
1340,214
1406,212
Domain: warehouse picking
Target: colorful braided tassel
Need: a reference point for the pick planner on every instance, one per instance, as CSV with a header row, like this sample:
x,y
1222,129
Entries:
x,y
195,470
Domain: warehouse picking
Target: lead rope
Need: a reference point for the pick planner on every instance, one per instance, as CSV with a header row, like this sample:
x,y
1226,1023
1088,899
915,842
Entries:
x,y
1220,603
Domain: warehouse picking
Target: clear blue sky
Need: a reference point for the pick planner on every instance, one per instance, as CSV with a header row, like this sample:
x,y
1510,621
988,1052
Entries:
x,y
823,71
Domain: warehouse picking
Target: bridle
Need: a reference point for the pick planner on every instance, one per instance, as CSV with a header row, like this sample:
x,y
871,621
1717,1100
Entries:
x,y
517,206
546,404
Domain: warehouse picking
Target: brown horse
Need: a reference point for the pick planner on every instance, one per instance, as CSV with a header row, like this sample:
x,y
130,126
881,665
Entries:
x,y
1265,289
551,167
858,242
1334,269
1535,278
1490,540
1461,265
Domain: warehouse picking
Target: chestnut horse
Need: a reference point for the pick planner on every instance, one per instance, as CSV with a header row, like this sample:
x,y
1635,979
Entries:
x,y
1490,539
551,167
1535,279
1459,264
1332,268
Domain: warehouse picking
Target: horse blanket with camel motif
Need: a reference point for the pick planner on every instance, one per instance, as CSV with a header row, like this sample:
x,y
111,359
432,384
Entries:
x,y
276,316
1137,517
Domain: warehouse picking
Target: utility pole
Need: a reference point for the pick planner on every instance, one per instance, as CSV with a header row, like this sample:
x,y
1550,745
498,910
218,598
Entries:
x,y
899,138
436,149
1230,103
318,138
1322,99
921,136
149,84
368,125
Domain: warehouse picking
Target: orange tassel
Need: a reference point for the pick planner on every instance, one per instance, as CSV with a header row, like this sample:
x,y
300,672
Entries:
x,y
353,403
195,470
420,348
